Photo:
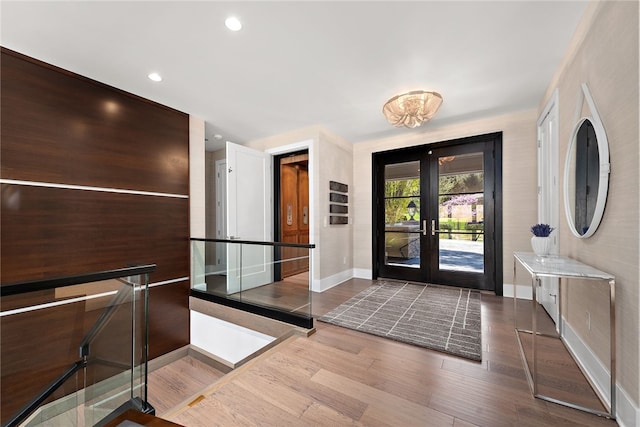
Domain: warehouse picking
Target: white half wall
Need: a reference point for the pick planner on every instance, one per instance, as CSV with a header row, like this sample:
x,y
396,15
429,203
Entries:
x,y
225,340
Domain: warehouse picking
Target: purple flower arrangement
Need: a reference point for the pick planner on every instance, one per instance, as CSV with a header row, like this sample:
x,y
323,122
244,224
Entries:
x,y
542,230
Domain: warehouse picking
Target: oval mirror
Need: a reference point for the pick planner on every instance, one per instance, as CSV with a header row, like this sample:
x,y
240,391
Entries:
x,y
586,177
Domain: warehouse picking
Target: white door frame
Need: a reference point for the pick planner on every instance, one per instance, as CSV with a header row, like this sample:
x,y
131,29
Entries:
x,y
548,193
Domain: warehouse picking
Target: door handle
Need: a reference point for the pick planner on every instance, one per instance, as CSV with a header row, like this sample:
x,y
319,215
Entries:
x,y
434,230
423,230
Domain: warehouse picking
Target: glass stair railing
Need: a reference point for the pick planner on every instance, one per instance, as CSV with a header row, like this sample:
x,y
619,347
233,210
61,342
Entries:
x,y
266,278
74,349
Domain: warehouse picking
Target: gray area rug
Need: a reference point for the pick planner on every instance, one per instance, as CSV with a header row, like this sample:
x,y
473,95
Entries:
x,y
436,317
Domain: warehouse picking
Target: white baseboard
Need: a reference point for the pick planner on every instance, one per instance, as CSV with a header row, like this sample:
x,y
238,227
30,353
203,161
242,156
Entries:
x,y
627,412
331,281
524,291
597,372
363,273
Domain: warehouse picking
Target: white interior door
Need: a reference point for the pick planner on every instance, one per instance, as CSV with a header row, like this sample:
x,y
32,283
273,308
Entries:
x,y
249,217
548,196
221,215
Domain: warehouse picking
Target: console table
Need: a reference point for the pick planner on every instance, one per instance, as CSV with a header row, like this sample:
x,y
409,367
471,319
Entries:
x,y
561,268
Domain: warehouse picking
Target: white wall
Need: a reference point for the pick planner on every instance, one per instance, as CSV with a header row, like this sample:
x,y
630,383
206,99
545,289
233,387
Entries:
x,y
197,197
604,54
197,190
335,163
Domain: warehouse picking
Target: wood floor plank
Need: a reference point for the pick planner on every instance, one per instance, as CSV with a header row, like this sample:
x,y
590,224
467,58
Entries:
x,y
494,373
253,406
461,423
394,351
580,417
339,341
488,393
384,407
290,365
412,383
532,417
299,381
321,415
171,384
280,395
474,409
212,413
330,358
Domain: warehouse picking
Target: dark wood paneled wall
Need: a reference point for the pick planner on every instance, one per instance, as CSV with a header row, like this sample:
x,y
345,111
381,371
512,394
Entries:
x,y
61,128
53,232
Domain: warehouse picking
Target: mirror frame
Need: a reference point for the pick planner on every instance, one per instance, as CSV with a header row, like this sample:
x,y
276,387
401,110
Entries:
x,y
605,167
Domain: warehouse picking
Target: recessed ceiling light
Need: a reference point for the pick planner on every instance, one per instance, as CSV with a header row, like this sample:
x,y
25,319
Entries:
x,y
155,77
233,23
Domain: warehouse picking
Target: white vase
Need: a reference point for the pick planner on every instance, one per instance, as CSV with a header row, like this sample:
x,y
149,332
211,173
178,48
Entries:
x,y
541,245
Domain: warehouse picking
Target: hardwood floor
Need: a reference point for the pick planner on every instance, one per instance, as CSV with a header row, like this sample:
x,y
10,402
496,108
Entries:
x,y
343,377
170,385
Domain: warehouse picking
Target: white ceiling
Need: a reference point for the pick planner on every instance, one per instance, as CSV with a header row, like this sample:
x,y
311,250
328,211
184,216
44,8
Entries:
x,y
297,64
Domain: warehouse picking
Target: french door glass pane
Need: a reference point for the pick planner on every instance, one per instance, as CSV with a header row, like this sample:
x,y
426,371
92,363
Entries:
x,y
461,212
402,214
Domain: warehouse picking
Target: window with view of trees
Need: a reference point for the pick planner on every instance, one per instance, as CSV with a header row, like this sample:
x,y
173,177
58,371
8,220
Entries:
x,y
461,203
397,196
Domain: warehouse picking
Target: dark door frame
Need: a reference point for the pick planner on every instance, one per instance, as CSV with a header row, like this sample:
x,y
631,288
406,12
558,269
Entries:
x,y
377,207
277,213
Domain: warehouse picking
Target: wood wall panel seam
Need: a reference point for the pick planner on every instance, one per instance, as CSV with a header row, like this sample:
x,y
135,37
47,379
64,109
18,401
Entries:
x,y
89,188
60,302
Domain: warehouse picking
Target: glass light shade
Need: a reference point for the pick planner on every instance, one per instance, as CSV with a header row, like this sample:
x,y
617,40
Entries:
x,y
411,209
411,109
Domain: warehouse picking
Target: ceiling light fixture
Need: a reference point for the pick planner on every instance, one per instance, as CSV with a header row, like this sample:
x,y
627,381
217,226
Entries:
x,y
411,109
233,23
155,77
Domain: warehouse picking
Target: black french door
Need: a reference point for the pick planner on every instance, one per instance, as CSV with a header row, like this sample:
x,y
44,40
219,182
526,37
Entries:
x,y
437,213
